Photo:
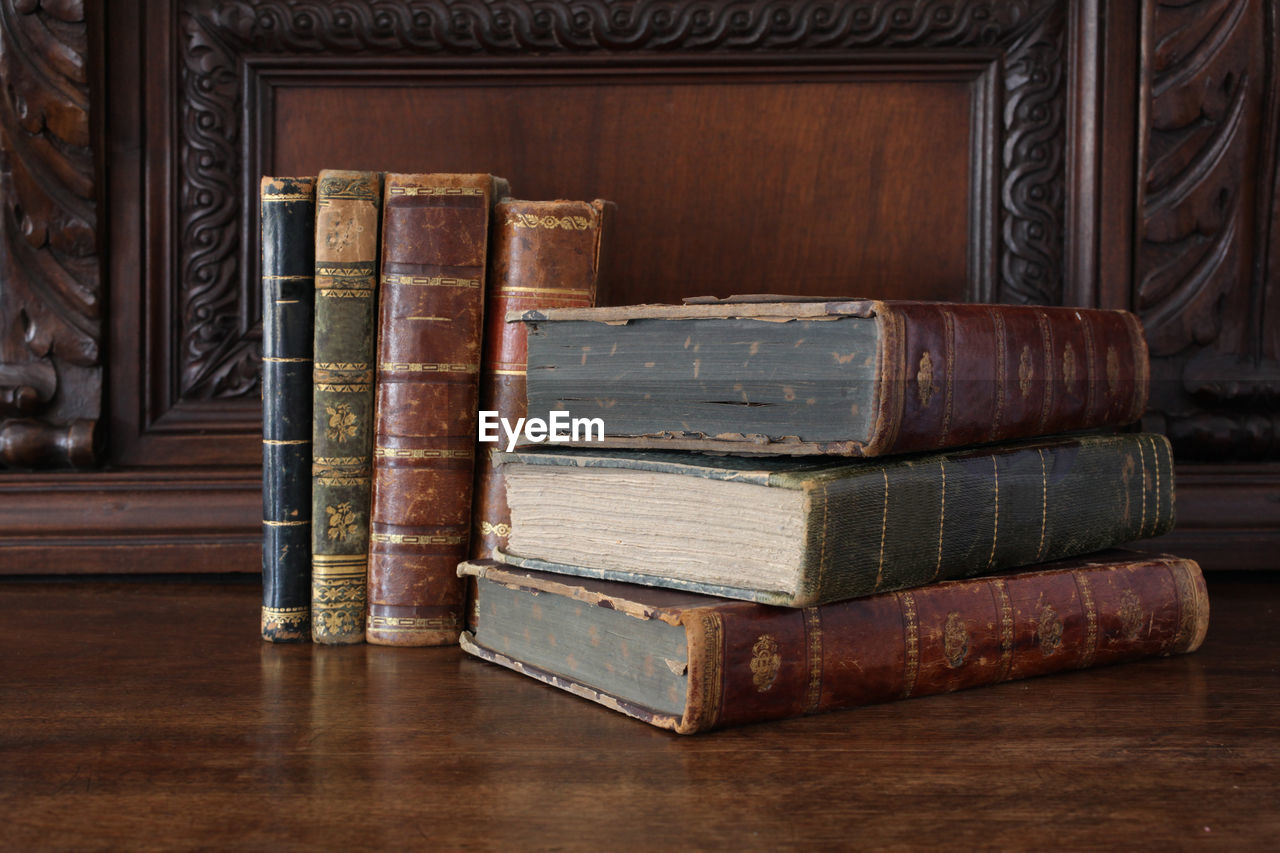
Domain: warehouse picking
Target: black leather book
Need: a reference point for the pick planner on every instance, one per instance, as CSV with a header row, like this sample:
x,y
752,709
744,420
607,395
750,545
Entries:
x,y
288,298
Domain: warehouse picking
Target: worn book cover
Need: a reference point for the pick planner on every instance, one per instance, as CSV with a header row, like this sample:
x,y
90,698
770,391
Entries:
x,y
434,254
803,531
346,245
546,254
843,377
288,223
689,662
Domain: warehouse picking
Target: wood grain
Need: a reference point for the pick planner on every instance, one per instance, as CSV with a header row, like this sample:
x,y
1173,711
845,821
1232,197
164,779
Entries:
x,y
150,716
836,185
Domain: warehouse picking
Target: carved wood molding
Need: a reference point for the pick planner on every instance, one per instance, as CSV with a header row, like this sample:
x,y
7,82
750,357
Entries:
x,y
1206,281
50,330
219,356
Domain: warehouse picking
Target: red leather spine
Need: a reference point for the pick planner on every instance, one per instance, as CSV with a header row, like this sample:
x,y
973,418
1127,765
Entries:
x,y
435,233
546,254
962,374
750,663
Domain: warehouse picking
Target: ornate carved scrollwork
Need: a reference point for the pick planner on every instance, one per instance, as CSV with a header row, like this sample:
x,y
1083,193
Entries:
x,y
50,367
1206,280
219,358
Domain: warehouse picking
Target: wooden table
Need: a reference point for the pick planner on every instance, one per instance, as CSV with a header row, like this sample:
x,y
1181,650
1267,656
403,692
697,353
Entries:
x,y
150,715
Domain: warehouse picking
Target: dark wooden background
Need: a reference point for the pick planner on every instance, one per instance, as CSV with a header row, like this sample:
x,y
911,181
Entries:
x,y
1081,153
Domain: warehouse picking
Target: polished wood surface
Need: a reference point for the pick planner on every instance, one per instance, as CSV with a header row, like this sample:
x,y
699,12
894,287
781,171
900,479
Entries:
x,y
149,715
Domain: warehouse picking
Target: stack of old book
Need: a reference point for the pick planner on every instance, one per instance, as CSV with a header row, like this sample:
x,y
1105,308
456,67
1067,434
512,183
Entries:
x,y
375,291
786,504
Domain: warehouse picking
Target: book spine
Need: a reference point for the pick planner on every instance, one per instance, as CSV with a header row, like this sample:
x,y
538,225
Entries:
x,y
546,254
288,220
435,241
342,425
952,375
750,663
907,523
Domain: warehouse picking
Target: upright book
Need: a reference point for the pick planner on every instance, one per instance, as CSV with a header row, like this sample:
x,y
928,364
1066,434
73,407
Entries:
x,y
842,377
288,223
435,242
546,254
798,532
689,662
346,243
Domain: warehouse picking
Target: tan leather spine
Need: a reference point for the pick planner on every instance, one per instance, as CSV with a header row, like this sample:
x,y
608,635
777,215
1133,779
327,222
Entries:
x,y
435,241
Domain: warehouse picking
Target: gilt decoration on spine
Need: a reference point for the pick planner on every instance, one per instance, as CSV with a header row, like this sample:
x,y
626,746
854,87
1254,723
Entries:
x,y
288,299
50,289
546,254
346,260
434,254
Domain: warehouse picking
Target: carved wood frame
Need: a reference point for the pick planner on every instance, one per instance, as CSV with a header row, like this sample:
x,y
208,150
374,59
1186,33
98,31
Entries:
x,y
224,40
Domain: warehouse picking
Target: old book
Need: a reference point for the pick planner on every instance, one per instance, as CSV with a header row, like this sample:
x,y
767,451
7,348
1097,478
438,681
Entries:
x,y
841,377
798,532
288,223
546,254
689,662
435,240
345,298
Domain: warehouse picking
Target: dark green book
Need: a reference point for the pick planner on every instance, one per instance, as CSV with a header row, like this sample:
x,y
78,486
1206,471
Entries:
x,y
288,217
347,206
800,532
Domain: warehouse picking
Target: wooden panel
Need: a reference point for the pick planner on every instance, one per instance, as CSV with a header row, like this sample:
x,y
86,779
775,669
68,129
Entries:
x,y
1207,258
798,185
50,289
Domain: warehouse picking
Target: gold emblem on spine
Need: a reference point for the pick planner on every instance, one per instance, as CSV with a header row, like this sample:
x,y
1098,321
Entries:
x,y
488,528
1048,627
338,603
1069,365
342,422
955,640
342,522
1113,371
285,619
1130,615
924,380
765,662
429,191
417,367
1026,372
417,539
421,453
568,223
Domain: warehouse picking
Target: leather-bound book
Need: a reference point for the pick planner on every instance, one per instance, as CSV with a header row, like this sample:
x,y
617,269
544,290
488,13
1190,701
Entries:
x,y
802,531
689,662
435,242
288,223
546,254
846,377
346,314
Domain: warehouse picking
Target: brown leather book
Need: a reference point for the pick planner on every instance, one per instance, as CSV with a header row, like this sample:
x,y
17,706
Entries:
x,y
546,254
845,377
690,662
435,240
